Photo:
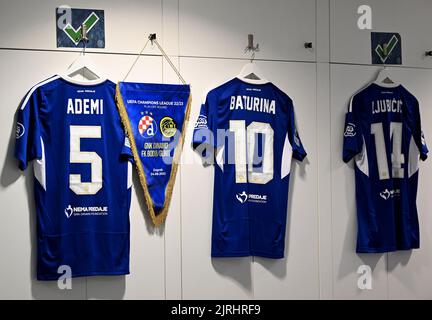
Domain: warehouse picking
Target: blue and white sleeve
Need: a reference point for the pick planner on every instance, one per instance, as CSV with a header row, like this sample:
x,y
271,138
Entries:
x,y
28,144
204,129
299,152
353,138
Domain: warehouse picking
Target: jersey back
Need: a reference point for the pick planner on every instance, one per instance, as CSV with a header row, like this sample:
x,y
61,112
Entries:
x,y
383,133
250,127
82,177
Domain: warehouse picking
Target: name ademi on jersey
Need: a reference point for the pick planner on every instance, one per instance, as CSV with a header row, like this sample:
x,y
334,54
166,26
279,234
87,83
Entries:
x,y
85,106
383,134
251,128
74,137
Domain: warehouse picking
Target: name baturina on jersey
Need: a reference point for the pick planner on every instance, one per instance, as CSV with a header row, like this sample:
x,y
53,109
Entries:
x,y
387,105
253,104
85,106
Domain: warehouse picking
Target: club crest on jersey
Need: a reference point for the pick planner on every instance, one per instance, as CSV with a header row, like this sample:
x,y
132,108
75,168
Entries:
x,y
147,127
168,127
20,130
201,122
350,130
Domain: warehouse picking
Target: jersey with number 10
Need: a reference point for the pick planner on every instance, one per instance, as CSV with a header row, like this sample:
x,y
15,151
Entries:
x,y
383,133
82,186
251,126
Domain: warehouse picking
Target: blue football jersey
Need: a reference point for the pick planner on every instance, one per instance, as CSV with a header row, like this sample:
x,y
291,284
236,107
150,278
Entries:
x,y
383,133
249,128
73,134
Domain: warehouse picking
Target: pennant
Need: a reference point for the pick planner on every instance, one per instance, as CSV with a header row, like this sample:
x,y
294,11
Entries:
x,y
155,117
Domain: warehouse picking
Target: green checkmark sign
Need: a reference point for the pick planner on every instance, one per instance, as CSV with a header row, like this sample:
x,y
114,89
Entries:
x,y
75,34
390,46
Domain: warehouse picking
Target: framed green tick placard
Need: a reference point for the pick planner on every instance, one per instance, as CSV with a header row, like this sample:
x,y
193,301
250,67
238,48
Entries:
x,y
69,23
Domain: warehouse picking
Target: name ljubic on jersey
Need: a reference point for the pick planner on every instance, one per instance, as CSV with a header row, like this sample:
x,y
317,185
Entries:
x,y
387,105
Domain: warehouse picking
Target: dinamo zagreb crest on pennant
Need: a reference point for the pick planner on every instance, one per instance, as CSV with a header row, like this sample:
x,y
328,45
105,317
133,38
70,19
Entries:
x,y
154,117
147,127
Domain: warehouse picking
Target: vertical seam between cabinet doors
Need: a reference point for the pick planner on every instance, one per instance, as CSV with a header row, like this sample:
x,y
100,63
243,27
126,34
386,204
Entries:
x,y
318,153
387,273
163,81
331,145
331,184
181,169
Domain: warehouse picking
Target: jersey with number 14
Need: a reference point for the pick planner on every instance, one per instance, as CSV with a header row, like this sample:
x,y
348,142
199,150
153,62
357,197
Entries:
x,y
82,183
251,126
383,133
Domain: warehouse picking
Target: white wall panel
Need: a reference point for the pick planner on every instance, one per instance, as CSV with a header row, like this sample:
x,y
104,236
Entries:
x,y
344,216
408,275
220,28
174,262
323,150
147,252
32,24
411,19
173,227
203,277
296,276
18,230
409,272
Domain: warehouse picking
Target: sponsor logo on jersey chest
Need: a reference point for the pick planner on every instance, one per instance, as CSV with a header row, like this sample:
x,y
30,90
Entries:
x,y
389,194
243,197
85,211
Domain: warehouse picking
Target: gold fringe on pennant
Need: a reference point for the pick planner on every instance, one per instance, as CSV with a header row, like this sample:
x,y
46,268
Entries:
x,y
161,217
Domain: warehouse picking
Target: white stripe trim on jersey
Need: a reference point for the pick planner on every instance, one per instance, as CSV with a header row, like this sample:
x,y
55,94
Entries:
x,y
362,160
129,175
27,98
220,152
211,87
39,167
353,96
286,158
413,158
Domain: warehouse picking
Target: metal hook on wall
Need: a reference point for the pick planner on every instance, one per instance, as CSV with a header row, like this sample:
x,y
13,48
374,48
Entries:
x,y
251,47
84,37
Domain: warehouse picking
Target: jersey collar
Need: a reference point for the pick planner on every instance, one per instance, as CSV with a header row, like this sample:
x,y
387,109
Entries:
x,y
82,82
251,81
387,85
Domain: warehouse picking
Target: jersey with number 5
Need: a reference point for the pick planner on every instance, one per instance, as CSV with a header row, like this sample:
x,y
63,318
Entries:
x,y
82,177
383,133
250,127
